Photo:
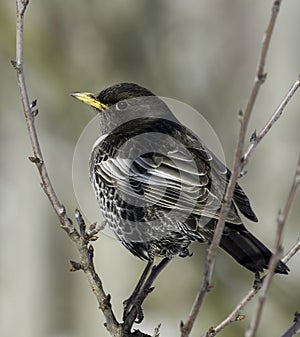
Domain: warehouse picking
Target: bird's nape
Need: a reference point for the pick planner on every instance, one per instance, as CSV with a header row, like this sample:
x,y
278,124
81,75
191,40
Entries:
x,y
122,91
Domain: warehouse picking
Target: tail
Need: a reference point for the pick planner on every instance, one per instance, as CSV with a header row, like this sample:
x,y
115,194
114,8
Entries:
x,y
247,250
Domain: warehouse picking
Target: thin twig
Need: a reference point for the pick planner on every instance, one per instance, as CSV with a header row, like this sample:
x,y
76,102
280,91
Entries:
x,y
85,250
251,331
293,250
37,158
237,168
235,315
294,328
255,139
281,221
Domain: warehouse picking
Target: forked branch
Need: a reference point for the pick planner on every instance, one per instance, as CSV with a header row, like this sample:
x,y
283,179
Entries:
x,y
236,315
236,172
81,241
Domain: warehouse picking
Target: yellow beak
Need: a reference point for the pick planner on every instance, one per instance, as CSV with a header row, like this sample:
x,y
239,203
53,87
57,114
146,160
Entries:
x,y
88,98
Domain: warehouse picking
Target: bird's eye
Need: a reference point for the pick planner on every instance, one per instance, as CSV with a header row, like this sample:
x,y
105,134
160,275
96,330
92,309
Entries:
x,y
122,105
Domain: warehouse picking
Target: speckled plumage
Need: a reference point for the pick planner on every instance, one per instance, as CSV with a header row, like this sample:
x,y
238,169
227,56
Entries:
x,y
159,187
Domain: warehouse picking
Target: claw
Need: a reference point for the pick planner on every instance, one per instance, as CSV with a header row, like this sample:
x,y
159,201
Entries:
x,y
130,304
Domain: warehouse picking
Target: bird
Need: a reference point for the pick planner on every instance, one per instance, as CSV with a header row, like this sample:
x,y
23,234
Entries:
x,y
159,187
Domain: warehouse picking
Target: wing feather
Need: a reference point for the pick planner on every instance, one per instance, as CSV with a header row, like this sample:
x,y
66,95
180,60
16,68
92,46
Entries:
x,y
187,178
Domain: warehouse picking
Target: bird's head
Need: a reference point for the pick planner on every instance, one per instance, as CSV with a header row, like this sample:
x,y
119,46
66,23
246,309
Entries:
x,y
123,102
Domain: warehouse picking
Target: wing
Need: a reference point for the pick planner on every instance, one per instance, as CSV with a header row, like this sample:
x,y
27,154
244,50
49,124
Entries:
x,y
159,163
178,175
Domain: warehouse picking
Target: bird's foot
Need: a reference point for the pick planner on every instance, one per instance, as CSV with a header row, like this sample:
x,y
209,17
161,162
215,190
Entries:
x,y
132,303
185,252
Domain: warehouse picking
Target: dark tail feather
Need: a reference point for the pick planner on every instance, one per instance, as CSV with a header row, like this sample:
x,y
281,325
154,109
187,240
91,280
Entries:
x,y
247,250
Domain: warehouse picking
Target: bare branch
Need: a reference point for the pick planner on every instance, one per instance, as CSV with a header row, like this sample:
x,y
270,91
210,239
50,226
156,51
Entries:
x,y
294,328
37,157
293,250
281,221
255,139
82,244
251,331
266,40
237,169
235,315
292,194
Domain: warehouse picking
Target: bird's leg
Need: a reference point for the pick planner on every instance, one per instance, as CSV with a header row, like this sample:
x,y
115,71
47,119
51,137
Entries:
x,y
127,304
135,309
257,281
156,270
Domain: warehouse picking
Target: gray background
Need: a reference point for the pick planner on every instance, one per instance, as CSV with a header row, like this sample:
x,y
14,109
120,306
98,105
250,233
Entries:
x,y
203,53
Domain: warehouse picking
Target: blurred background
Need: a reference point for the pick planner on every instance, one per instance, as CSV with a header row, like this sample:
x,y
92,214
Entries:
x,y
202,53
